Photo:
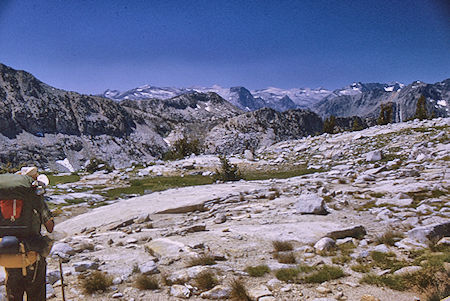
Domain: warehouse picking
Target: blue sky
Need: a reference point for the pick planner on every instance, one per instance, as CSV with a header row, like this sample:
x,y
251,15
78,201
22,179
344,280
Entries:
x,y
89,46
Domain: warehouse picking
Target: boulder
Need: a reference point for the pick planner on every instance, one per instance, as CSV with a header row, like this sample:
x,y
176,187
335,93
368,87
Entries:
x,y
356,232
180,291
164,247
311,204
218,292
430,233
324,244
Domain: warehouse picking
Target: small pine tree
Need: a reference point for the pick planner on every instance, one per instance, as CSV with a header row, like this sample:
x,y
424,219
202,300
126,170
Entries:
x,y
385,114
228,172
329,124
356,126
421,108
183,148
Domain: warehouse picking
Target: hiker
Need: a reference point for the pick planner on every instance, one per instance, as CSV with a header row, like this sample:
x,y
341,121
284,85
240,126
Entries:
x,y
30,274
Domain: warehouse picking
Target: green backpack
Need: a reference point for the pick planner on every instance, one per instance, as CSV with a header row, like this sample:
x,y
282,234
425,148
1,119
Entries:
x,y
18,199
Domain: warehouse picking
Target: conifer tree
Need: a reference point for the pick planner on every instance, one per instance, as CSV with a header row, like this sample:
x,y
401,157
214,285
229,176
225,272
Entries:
x,y
329,124
385,114
421,108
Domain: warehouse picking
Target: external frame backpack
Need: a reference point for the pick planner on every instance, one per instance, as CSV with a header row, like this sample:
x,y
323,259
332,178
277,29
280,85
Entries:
x,y
17,202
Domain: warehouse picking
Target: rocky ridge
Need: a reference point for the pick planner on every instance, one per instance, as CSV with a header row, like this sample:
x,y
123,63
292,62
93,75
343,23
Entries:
x,y
360,185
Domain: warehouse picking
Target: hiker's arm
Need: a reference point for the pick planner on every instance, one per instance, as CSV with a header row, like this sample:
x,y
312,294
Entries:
x,y
49,225
46,217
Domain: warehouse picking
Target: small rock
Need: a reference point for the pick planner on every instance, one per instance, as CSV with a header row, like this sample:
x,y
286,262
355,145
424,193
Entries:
x,y
248,155
117,295
286,289
62,249
53,276
220,218
180,291
381,248
143,218
149,268
117,281
260,291
274,284
444,241
267,298
374,156
323,290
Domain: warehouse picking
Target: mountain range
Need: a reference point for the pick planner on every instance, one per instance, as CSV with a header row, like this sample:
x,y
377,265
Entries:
x,y
43,125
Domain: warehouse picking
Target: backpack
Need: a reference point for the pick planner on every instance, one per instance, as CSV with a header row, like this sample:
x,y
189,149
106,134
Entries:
x,y
17,202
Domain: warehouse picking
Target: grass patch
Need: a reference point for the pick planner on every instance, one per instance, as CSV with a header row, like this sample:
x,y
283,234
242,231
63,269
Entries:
x,y
342,259
389,238
239,291
54,180
257,271
282,246
325,273
368,205
139,186
75,201
201,260
144,282
387,261
287,275
361,268
205,281
391,281
377,195
95,282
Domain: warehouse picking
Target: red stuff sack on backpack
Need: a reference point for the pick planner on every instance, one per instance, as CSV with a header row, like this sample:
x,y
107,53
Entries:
x,y
11,209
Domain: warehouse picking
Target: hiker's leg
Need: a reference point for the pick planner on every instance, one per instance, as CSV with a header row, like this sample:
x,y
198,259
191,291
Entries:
x,y
36,289
15,284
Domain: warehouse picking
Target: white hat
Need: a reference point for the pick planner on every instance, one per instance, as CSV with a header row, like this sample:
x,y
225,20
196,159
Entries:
x,y
29,171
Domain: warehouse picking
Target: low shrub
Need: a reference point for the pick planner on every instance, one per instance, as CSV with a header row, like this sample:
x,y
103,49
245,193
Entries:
x,y
95,282
287,258
282,246
287,275
201,260
239,291
205,281
144,282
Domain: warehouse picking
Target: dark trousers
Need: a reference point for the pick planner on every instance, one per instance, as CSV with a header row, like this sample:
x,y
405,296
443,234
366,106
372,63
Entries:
x,y
33,283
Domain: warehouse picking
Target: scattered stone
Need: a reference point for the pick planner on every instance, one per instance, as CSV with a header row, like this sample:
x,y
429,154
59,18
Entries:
x,y
117,280
323,290
218,292
274,284
369,298
444,241
311,204
50,291
52,276
164,247
180,291
117,295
